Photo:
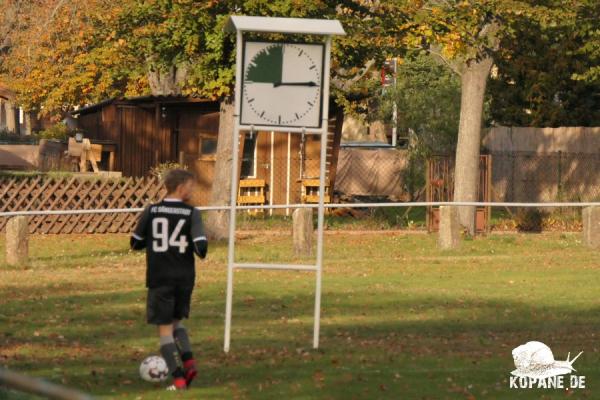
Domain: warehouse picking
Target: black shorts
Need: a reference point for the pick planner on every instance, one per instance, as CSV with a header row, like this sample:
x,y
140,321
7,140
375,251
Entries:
x,y
168,303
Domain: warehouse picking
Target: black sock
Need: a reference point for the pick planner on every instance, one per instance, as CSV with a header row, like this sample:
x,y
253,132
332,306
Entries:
x,y
171,355
183,343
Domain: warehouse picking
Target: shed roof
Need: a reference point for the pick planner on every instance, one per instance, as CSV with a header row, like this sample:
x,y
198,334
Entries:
x,y
138,100
284,25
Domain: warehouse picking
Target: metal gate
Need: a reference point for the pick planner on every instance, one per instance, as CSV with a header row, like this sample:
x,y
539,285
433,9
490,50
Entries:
x,y
440,187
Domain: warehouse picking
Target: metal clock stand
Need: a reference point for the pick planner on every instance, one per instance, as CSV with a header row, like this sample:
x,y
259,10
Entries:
x,y
298,26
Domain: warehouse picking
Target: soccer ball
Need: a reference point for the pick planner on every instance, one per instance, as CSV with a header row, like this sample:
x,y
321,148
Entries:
x,y
154,369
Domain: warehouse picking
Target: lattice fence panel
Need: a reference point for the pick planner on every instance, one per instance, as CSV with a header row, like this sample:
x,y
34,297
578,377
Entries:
x,y
44,193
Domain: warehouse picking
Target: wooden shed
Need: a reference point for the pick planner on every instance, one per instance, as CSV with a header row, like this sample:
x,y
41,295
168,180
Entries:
x,y
275,168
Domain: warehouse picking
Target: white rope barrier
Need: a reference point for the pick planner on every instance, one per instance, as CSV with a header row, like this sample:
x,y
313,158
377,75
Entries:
x,y
292,206
39,387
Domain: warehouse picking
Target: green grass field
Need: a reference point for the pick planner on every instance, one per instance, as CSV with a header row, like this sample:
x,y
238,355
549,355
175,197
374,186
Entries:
x,y
400,319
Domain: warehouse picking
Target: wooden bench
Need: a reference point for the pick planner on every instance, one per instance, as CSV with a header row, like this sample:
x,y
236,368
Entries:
x,y
252,192
310,191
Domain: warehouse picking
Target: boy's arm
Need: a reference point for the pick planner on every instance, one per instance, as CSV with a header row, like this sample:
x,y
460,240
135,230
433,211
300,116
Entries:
x,y
198,237
138,237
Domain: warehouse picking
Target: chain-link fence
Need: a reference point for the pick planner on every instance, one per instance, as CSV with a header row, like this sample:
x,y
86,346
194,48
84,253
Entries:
x,y
385,174
544,177
380,172
515,177
282,180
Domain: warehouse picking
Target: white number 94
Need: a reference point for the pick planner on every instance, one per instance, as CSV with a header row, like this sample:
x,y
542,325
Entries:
x,y
161,239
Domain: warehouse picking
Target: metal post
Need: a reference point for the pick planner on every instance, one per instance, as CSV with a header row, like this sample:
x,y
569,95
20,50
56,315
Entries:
x,y
233,198
321,213
288,169
231,244
394,123
271,170
320,223
395,106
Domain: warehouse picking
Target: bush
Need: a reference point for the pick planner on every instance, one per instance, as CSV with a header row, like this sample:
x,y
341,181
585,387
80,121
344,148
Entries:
x,y
530,220
12,138
59,131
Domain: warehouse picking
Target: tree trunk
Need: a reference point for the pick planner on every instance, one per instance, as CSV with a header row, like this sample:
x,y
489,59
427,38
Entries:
x,y
167,83
466,177
217,222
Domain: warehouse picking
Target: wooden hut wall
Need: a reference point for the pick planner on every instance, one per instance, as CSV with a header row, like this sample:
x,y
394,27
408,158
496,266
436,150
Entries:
x,y
302,166
90,124
100,124
279,168
151,133
295,170
136,150
194,124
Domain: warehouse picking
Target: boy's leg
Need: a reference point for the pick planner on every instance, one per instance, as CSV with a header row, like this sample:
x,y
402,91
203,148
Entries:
x,y
182,341
170,353
160,308
183,344
183,298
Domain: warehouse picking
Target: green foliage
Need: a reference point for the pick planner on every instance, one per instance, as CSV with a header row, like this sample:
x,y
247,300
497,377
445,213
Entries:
x,y
66,54
587,31
466,30
107,49
58,131
427,97
400,217
534,83
7,137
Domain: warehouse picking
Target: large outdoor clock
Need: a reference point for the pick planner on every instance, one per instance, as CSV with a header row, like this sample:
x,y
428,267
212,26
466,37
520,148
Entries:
x,y
282,84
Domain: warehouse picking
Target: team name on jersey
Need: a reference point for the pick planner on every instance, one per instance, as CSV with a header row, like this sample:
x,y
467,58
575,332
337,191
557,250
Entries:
x,y
170,210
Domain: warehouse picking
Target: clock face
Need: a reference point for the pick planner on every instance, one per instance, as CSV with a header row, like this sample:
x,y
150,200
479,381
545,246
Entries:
x,y
282,84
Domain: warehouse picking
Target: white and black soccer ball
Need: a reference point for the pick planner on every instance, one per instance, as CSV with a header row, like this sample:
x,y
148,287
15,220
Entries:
x,y
154,369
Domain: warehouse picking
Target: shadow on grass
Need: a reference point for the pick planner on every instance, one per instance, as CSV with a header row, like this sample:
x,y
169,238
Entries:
x,y
272,337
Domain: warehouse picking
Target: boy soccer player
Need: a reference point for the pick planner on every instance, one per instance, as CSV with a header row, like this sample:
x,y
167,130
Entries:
x,y
171,231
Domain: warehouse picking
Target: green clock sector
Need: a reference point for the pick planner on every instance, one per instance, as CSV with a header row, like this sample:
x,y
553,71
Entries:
x,y
266,66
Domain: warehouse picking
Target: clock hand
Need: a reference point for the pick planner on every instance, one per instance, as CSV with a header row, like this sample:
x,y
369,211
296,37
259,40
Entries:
x,y
309,83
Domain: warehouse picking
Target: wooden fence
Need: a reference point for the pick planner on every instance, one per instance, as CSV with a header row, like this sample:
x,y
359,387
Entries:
x,y
76,193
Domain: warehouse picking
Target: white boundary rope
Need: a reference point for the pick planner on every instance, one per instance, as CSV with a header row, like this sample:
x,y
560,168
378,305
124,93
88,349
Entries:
x,y
39,387
292,206
317,268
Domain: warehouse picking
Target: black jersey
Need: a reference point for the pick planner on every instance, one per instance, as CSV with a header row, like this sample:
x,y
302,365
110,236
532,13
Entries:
x,y
171,231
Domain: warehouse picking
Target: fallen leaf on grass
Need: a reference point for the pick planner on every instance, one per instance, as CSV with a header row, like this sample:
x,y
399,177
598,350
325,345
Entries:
x,y
318,379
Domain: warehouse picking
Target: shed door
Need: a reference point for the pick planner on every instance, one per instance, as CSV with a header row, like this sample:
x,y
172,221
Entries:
x,y
197,143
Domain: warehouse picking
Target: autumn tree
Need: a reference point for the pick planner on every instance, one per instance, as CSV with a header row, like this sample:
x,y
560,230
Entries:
x,y
586,27
536,80
466,35
9,22
427,99
186,50
62,56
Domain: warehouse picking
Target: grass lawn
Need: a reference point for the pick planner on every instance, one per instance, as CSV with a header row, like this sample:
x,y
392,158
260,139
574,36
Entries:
x,y
400,319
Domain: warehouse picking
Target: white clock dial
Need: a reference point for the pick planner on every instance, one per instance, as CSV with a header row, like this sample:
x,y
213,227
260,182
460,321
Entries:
x,y
282,84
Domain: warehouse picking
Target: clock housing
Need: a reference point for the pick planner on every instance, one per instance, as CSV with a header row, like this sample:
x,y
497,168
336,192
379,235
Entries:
x,y
282,84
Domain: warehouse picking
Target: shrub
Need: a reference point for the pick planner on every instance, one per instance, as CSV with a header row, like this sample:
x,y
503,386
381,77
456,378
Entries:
x,y
530,220
59,131
11,138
